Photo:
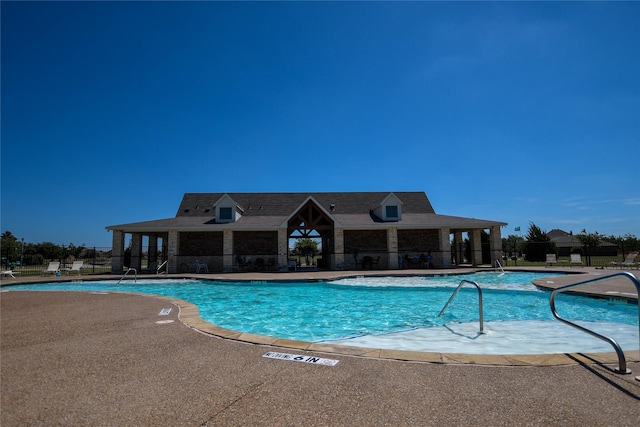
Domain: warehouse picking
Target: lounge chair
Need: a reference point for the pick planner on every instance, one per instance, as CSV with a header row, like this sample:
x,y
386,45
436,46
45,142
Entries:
x,y
629,261
576,259
53,268
551,260
77,266
11,273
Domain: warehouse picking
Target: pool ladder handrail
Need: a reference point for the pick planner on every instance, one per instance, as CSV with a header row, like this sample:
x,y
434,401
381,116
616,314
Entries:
x,y
127,272
622,363
161,266
453,295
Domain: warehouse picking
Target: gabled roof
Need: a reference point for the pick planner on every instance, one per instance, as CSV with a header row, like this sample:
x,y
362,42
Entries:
x,y
271,210
562,239
259,204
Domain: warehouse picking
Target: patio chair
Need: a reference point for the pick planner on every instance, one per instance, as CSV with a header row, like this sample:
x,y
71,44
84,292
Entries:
x,y
551,260
576,259
367,261
201,266
629,261
53,268
77,266
375,262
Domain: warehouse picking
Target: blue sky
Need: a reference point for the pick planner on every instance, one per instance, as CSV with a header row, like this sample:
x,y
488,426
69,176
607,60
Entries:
x,y
517,112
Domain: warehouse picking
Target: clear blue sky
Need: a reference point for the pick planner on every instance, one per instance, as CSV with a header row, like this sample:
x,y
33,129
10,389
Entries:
x,y
517,112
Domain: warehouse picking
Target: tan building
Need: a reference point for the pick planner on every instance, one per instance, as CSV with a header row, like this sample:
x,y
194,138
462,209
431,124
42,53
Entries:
x,y
253,231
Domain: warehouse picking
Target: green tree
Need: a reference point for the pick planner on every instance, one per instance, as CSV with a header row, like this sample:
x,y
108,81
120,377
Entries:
x,y
538,244
49,250
590,242
306,247
9,248
627,243
513,245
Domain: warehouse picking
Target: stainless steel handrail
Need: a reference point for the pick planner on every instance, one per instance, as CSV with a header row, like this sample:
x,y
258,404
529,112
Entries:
x,y
127,272
161,266
453,295
622,363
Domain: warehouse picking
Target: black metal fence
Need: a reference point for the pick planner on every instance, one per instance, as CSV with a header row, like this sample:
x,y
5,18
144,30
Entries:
x,y
95,260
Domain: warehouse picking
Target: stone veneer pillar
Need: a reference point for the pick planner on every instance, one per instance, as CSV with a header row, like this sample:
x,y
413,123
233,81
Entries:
x,y
172,251
117,252
495,245
153,253
445,248
338,248
136,251
283,250
392,247
227,250
457,247
476,247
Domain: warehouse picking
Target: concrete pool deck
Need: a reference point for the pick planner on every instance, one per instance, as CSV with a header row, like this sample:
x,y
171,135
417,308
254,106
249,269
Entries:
x,y
86,358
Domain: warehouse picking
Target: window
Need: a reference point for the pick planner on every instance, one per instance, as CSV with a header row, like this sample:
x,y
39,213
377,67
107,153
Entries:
x,y
225,214
391,212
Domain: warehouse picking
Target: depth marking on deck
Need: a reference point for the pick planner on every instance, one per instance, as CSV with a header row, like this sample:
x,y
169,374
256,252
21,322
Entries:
x,y
300,358
164,312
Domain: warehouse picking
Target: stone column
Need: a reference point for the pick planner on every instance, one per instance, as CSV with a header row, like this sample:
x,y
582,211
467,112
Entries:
x,y
173,250
392,248
117,252
495,239
445,249
457,247
283,249
227,250
153,253
338,248
476,247
136,251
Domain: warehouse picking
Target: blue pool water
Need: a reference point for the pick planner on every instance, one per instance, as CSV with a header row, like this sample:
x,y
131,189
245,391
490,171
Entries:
x,y
396,312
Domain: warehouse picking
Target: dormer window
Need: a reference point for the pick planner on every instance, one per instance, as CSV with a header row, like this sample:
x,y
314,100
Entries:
x,y
390,209
227,210
225,214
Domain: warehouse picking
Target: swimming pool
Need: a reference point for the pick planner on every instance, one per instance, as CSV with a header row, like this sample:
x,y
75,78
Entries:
x,y
398,312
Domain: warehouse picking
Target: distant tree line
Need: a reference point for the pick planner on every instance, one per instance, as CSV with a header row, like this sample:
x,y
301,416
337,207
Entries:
x,y
537,243
16,251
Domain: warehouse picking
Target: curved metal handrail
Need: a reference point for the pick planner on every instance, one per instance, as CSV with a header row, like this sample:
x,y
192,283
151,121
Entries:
x,y
161,266
453,295
622,363
127,272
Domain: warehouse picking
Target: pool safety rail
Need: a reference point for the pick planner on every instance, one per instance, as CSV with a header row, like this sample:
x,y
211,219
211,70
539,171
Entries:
x,y
161,266
453,295
135,277
622,363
